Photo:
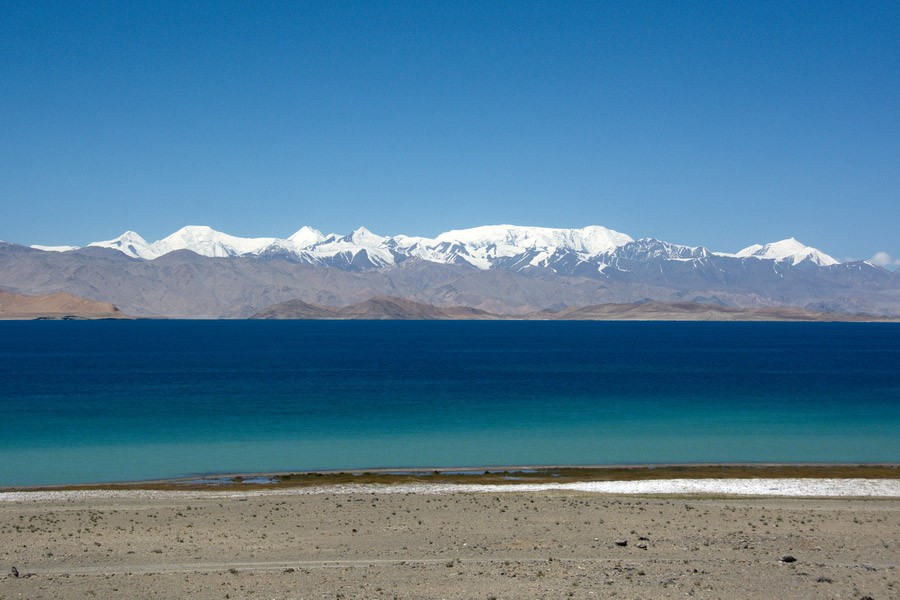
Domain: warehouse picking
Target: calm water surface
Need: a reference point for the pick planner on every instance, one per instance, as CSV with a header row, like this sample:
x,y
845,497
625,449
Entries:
x,y
104,401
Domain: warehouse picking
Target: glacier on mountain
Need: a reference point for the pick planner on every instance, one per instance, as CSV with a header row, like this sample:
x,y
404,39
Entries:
x,y
586,251
54,248
788,250
200,272
480,247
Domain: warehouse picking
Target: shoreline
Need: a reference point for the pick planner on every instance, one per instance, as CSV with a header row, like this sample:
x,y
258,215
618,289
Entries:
x,y
784,488
522,477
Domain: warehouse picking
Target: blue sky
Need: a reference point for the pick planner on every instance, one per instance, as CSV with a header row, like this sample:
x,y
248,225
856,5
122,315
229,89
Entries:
x,y
720,123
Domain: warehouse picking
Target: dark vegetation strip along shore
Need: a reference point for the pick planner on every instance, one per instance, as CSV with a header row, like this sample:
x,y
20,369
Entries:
x,y
494,475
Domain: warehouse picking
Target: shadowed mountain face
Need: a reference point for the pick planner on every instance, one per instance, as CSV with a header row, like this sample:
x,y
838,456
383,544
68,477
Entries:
x,y
184,284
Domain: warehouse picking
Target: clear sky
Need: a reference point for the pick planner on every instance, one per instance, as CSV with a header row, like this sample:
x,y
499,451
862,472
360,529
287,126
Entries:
x,y
719,123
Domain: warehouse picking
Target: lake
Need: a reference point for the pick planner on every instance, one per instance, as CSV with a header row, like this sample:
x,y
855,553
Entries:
x,y
87,401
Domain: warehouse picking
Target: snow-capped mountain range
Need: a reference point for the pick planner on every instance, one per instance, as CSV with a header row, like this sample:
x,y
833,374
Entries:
x,y
198,272
586,251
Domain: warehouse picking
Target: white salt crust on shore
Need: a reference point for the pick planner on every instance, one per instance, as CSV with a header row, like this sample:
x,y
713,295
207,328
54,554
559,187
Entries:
x,y
798,487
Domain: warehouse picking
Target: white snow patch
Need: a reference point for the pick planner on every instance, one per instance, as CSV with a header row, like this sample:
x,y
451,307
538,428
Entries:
x,y
787,250
206,241
510,240
55,248
480,247
306,237
131,244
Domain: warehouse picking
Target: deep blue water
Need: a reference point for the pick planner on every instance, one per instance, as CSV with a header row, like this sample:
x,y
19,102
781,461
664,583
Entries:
x,y
110,400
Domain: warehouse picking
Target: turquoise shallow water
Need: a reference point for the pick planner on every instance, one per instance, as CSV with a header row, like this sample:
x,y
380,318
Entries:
x,y
111,401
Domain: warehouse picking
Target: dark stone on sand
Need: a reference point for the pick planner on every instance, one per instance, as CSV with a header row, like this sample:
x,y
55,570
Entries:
x,y
787,558
14,571
621,542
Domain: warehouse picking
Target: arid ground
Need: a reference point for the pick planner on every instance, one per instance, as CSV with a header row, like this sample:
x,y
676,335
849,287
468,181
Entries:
x,y
547,544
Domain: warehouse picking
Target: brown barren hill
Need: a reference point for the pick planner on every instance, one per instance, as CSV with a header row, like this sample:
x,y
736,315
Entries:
x,y
693,311
380,308
297,309
400,308
55,306
391,308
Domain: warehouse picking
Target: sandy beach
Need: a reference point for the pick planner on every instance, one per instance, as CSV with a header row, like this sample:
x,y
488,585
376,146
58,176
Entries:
x,y
416,541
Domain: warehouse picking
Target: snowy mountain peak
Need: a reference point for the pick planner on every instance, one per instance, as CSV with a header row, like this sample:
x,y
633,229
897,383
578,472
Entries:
x,y
131,237
129,243
206,241
651,248
584,251
589,240
196,230
788,250
188,236
306,236
364,237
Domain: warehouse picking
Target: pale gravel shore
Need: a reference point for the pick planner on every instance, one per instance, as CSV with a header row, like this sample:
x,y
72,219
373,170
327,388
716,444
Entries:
x,y
766,487
432,541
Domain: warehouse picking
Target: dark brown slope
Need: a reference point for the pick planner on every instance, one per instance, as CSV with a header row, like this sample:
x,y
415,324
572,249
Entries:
x,y
55,306
297,309
692,311
400,308
391,308
381,308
